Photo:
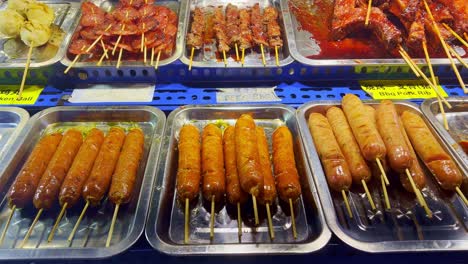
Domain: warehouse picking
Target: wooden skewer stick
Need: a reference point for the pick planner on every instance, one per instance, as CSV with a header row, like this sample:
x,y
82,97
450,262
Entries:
x,y
104,49
97,39
156,65
460,193
119,59
270,222
277,56
142,45
111,229
187,219
212,217
368,194
237,52
243,57
224,58
384,174
57,221
369,8
144,55
431,71
263,55
100,60
117,43
26,68
28,234
254,201
418,194
444,45
7,224
454,53
77,57
456,35
409,61
83,212
293,219
191,58
239,220
152,57
384,189
348,207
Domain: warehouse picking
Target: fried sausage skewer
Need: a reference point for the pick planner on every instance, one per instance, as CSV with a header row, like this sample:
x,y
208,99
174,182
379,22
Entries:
x,y
284,164
189,171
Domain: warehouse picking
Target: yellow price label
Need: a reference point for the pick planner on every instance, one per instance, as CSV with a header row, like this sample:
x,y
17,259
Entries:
x,y
400,89
9,94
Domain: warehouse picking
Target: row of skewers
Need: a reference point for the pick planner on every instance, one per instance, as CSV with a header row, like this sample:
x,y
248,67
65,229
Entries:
x,y
347,139
66,167
138,28
236,163
235,29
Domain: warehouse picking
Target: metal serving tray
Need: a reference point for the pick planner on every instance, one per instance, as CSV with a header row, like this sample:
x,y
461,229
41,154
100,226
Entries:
x,y
165,224
457,119
12,122
207,56
65,14
302,44
178,6
405,227
90,239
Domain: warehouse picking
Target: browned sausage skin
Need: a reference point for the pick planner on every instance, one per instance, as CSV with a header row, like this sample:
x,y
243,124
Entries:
x,y
98,182
335,166
214,184
81,168
189,168
126,169
234,192
22,191
284,164
49,186
269,189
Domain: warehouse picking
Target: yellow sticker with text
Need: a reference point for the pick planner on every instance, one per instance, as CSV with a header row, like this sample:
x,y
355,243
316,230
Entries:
x,y
9,94
400,89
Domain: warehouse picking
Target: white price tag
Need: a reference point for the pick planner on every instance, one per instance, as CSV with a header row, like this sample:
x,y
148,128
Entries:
x,y
240,95
114,94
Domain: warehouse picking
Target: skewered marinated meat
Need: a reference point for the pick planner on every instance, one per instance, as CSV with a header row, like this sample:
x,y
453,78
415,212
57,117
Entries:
x,y
258,33
270,19
195,37
245,32
220,30
459,10
232,29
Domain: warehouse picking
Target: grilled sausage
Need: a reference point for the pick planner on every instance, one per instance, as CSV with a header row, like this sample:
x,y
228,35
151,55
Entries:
x,y
80,169
189,170
348,145
371,144
22,191
284,164
49,186
99,180
431,152
214,183
234,192
269,189
126,169
416,171
248,166
334,164
388,126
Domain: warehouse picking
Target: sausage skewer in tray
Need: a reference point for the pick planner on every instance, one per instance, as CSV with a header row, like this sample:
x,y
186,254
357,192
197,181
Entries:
x,y
199,139
396,216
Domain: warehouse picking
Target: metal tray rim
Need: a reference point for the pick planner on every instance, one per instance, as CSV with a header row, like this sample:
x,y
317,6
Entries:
x,y
232,249
325,195
143,200
24,117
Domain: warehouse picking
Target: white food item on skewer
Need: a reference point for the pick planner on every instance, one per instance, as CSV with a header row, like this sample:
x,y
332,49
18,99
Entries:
x,y
35,33
40,13
20,6
11,23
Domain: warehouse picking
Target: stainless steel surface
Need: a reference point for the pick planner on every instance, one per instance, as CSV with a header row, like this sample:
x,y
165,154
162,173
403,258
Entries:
x,y
12,122
302,45
178,6
65,15
206,57
404,228
90,239
165,225
457,118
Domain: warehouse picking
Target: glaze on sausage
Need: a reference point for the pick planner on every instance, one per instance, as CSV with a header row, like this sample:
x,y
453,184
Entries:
x,y
234,192
269,189
189,166
214,182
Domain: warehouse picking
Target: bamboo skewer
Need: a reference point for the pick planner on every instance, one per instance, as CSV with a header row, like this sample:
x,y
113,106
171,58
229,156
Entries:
x,y
369,8
191,58
263,55
224,58
237,52
152,57
144,55
212,217
368,194
293,218
456,35
419,196
254,201
277,56
409,61
460,193
187,219
385,193
119,59
454,53
348,207
111,229
270,222
7,224
26,68
239,220
384,174
28,234
83,212
243,57
57,221
104,49
156,65
72,64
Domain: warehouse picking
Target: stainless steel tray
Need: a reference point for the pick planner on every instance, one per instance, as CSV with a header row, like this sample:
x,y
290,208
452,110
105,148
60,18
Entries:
x,y
253,59
165,224
65,15
404,228
457,119
178,6
12,122
302,45
90,239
